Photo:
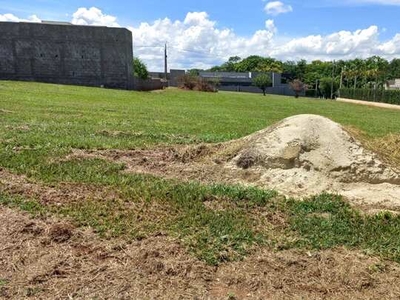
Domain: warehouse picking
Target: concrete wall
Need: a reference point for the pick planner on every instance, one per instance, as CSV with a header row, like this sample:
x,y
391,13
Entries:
x,y
175,75
67,54
150,84
283,89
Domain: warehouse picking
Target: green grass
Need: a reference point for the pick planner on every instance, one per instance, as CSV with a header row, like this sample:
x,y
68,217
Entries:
x,y
320,222
326,221
40,123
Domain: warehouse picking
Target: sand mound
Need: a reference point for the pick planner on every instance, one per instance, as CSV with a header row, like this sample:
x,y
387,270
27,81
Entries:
x,y
307,154
314,143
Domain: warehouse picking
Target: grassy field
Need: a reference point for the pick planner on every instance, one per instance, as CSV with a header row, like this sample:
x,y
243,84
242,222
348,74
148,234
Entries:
x,y
40,124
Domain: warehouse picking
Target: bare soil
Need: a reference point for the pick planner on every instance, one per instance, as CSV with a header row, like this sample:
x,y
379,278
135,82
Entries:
x,y
64,192
50,259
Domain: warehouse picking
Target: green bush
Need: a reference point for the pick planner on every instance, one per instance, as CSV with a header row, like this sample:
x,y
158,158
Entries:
x,y
329,87
140,69
379,95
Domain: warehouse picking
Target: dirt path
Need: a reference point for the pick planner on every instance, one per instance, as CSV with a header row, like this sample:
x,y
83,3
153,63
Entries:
x,y
369,103
50,259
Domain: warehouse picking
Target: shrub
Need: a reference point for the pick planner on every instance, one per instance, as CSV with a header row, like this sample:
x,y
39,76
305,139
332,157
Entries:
x,y
187,82
192,82
375,95
140,69
298,87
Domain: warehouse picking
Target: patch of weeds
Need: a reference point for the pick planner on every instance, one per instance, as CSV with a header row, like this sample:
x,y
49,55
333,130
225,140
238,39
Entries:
x,y
111,218
32,291
216,237
3,282
246,197
31,206
242,197
327,221
79,170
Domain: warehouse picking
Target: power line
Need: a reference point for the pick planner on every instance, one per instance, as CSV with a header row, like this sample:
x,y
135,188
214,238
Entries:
x,y
147,46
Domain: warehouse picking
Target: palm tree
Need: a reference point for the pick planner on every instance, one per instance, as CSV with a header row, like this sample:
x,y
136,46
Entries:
x,y
375,68
355,69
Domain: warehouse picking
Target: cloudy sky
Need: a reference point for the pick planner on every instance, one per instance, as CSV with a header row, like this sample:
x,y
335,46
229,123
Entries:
x,y
204,33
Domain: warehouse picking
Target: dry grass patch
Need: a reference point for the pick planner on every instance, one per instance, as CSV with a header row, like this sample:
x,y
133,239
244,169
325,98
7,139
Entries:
x,y
51,259
387,147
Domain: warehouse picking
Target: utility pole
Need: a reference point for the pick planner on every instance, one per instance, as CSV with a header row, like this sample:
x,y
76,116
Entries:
x,y
341,79
333,74
165,62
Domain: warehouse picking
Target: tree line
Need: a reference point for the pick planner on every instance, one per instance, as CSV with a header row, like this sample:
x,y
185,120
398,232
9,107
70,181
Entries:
x,y
372,72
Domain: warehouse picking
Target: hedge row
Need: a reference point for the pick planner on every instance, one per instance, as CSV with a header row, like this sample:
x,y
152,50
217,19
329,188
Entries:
x,y
385,96
311,93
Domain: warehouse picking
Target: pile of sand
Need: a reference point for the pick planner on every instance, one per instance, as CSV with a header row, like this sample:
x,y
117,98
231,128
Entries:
x,y
309,154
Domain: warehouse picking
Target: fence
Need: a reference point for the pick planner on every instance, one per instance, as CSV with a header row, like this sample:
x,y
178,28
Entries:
x,y
278,90
373,95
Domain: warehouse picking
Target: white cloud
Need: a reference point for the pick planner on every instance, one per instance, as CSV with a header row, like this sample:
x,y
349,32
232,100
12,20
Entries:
x,y
196,42
391,47
93,16
12,18
277,7
270,25
342,44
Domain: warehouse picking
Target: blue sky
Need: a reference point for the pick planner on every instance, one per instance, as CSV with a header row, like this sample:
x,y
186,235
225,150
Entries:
x,y
207,32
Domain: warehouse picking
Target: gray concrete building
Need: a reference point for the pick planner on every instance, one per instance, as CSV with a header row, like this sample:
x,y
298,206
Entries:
x,y
243,82
67,54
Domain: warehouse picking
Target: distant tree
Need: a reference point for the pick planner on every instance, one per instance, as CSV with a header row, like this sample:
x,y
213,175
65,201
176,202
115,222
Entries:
x,y
355,70
301,69
234,59
194,72
329,87
249,64
394,69
297,86
289,67
376,69
262,81
269,65
255,63
140,69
